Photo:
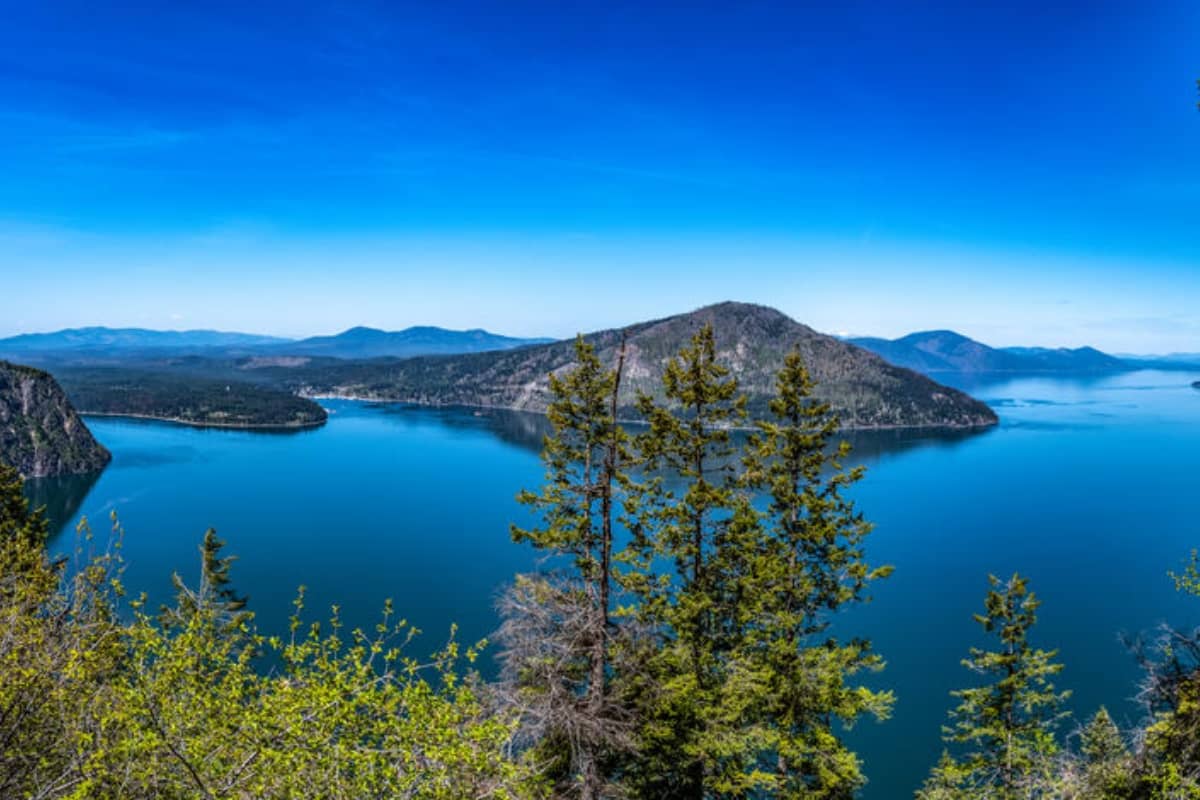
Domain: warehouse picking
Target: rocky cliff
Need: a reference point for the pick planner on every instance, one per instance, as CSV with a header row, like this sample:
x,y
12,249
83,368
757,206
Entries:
x,y
40,433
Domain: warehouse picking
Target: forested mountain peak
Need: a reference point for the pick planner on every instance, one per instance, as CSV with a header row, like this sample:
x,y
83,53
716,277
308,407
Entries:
x,y
752,341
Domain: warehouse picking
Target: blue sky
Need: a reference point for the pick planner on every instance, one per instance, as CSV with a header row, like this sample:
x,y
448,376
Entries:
x,y
1026,175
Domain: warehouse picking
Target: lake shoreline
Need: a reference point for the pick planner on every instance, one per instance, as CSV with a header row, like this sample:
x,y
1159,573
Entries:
x,y
191,423
981,427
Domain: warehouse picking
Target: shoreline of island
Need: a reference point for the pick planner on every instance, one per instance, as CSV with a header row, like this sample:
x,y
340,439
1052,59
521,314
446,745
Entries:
x,y
981,426
191,423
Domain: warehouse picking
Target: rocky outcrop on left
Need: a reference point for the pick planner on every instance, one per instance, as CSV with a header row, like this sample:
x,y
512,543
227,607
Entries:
x,y
40,433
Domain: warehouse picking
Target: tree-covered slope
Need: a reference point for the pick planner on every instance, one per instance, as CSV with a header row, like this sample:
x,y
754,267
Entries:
x,y
186,398
865,390
40,433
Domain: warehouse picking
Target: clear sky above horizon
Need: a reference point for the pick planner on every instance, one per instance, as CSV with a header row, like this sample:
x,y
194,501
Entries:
x,y
1025,173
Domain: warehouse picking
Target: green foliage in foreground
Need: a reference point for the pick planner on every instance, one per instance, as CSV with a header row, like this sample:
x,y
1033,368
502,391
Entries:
x,y
1007,726
178,704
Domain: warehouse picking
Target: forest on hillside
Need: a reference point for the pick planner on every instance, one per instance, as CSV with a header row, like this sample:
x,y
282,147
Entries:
x,y
683,645
185,397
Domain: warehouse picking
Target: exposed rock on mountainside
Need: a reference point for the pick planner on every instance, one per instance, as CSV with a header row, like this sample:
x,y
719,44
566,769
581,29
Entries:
x,y
40,433
865,390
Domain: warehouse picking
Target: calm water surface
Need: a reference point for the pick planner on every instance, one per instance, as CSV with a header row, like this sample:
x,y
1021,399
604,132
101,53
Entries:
x,y
1088,486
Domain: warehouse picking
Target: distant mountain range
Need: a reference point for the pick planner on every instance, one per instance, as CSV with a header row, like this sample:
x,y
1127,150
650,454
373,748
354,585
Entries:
x,y
1188,359
121,339
865,390
927,352
361,343
99,344
933,352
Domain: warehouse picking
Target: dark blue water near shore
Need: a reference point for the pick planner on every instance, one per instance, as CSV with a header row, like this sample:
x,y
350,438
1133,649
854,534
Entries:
x,y
1088,486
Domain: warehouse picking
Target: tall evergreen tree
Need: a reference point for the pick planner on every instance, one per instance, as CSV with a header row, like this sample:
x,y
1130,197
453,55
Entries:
x,y
558,633
690,515
1007,726
809,564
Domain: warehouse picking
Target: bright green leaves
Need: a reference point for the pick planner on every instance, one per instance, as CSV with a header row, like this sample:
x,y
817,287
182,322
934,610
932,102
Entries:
x,y
347,716
58,644
195,703
1189,579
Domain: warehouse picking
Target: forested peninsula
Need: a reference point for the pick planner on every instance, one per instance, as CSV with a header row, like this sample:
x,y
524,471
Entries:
x,y
186,399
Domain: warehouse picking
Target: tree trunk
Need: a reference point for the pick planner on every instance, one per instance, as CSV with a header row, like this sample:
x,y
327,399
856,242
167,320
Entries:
x,y
593,782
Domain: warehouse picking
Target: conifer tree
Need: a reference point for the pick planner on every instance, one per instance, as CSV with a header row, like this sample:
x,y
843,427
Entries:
x,y
1104,766
23,535
16,517
691,515
809,564
1100,740
944,782
558,632
1007,726
214,594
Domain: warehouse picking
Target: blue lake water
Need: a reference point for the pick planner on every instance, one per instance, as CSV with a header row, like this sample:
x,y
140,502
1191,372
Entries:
x,y
1088,486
